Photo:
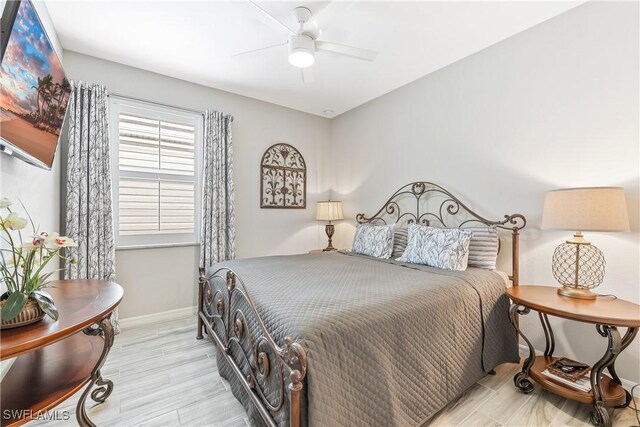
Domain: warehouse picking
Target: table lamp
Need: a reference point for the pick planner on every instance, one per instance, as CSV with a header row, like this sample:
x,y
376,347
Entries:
x,y
329,210
578,265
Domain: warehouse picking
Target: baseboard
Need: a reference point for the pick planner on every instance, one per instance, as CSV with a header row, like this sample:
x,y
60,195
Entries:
x,y
626,384
524,351
147,319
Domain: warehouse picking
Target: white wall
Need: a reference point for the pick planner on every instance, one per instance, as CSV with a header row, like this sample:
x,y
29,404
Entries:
x,y
555,106
162,279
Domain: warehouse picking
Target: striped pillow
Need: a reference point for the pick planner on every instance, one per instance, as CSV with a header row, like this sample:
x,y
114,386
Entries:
x,y
400,237
483,248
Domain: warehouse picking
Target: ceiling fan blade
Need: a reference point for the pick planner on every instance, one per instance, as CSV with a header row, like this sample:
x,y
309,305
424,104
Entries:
x,y
352,52
260,49
324,18
307,74
272,18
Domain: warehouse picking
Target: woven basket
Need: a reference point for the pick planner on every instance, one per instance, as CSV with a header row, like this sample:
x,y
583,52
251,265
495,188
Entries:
x,y
31,313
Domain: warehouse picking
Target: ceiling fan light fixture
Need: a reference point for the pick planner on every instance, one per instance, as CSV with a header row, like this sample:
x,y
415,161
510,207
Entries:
x,y
301,51
301,58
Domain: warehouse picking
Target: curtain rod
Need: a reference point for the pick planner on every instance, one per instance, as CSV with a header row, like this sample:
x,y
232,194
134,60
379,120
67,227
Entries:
x,y
117,95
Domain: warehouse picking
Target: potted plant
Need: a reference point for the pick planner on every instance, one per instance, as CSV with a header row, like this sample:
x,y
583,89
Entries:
x,y
22,269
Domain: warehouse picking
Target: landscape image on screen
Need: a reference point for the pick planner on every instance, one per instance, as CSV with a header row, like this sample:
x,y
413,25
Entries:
x,y
35,91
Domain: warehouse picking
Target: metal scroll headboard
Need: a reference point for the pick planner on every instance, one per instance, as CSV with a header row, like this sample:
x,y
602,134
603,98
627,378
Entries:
x,y
427,203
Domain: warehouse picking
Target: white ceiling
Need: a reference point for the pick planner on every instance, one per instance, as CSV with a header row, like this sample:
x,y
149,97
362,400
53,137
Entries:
x,y
195,41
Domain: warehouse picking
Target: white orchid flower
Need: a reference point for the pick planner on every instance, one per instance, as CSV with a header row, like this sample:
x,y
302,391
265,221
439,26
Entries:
x,y
51,238
34,244
64,242
4,203
14,222
43,236
47,238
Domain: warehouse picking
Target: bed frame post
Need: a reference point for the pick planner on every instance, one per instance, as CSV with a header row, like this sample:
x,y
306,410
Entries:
x,y
295,388
295,358
515,242
201,280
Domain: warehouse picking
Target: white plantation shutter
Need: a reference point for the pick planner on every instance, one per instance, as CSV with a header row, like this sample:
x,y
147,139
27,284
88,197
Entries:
x,y
157,168
156,206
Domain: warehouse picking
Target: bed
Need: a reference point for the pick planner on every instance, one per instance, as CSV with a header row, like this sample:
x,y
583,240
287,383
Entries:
x,y
344,339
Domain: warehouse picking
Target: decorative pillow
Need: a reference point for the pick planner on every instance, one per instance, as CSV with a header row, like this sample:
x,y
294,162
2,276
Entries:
x,y
483,248
400,236
446,248
374,240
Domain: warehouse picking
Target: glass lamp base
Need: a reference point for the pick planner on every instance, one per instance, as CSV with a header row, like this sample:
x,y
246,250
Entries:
x,y
580,293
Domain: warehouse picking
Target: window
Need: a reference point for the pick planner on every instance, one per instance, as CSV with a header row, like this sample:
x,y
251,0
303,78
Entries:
x,y
156,171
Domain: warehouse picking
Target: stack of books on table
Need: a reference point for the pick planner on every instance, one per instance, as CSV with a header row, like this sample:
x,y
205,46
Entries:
x,y
570,373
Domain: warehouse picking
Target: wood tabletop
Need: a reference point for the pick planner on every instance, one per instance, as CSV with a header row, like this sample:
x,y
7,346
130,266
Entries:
x,y
80,304
603,310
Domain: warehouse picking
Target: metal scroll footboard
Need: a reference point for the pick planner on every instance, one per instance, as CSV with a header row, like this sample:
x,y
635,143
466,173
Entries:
x,y
271,375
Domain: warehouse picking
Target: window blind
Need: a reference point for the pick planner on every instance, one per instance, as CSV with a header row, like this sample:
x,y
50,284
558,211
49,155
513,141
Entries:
x,y
157,146
156,206
157,180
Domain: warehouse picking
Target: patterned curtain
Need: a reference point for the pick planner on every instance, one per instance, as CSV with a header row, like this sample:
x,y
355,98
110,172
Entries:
x,y
89,215
218,234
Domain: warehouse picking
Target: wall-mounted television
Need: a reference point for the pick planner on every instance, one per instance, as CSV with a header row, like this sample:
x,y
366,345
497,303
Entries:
x,y
35,90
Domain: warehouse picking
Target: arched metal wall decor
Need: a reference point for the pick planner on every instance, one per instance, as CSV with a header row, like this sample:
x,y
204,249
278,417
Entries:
x,y
283,178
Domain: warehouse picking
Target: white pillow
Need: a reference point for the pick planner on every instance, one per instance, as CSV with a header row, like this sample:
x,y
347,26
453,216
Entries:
x,y
446,248
483,248
374,240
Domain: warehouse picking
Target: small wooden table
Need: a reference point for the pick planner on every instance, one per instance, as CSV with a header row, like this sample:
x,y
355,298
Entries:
x,y
55,359
607,314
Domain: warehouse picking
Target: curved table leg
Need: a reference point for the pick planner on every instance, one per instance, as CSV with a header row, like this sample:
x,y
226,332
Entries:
x,y
600,416
550,343
104,386
626,340
521,379
628,337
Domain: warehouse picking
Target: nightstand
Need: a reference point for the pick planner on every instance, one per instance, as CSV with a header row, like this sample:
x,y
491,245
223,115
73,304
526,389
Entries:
x,y
320,251
607,314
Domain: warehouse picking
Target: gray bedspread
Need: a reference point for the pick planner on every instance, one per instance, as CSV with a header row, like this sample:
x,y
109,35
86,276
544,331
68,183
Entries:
x,y
388,344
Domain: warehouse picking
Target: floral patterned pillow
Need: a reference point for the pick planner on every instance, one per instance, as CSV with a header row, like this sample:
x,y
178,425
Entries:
x,y
446,248
374,240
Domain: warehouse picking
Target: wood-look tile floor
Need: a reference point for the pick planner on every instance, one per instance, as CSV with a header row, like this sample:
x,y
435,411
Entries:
x,y
163,376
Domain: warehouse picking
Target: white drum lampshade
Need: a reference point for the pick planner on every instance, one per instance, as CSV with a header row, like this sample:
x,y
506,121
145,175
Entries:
x,y
329,210
577,265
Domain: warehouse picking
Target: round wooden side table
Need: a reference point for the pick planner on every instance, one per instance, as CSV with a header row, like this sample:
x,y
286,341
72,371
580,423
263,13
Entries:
x,y
608,314
55,359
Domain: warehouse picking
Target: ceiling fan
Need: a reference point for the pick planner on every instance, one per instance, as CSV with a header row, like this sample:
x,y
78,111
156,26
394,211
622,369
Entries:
x,y
304,43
